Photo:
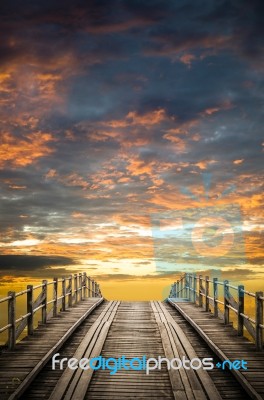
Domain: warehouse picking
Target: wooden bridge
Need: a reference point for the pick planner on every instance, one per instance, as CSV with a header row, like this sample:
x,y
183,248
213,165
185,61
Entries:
x,y
202,318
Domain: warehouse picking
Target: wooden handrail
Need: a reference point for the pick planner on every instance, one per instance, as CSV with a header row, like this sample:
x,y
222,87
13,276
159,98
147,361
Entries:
x,y
186,287
73,289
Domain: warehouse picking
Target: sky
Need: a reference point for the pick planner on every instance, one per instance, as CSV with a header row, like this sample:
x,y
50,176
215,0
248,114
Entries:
x,y
131,140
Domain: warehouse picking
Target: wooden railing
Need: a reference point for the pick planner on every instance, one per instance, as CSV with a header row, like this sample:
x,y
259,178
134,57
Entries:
x,y
66,292
198,289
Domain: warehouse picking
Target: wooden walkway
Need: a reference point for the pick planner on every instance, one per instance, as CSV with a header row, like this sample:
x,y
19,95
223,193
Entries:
x,y
98,328
225,343
20,367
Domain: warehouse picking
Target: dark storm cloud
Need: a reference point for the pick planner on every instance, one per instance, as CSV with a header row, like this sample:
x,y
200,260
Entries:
x,y
111,107
31,263
164,25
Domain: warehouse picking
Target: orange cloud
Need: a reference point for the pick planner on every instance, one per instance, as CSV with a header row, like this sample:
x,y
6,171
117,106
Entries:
x,y
102,136
133,220
33,87
138,167
204,163
210,111
183,128
124,180
133,118
227,105
210,45
187,59
128,131
51,173
178,142
74,180
17,187
20,152
77,214
151,118
196,137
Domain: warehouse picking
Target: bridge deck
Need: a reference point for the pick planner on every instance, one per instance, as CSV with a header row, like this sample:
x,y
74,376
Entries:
x,y
134,333
223,340
130,329
18,366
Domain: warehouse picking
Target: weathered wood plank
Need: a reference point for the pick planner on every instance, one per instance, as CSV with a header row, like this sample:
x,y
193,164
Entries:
x,y
51,348
218,350
92,339
184,348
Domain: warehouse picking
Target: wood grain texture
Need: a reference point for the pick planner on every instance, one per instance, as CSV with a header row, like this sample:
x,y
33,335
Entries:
x,y
223,340
47,339
132,329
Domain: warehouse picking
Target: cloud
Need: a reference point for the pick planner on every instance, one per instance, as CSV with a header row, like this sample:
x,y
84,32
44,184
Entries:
x,y
237,162
20,152
187,59
108,109
19,264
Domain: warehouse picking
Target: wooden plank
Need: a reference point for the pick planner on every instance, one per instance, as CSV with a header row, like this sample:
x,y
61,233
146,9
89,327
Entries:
x,y
82,385
81,352
238,375
179,382
189,379
224,381
207,383
61,387
178,389
31,376
133,333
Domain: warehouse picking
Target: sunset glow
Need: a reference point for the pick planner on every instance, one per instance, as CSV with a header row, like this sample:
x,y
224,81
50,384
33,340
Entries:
x,y
131,143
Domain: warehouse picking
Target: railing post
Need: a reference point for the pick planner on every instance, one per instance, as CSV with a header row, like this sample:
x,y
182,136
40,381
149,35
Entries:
x,y
259,321
70,291
190,286
207,293
12,320
89,286
181,287
240,310
63,300
44,302
30,325
76,288
177,288
55,297
185,284
194,287
226,302
81,286
200,291
85,284
215,291
174,290
93,288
